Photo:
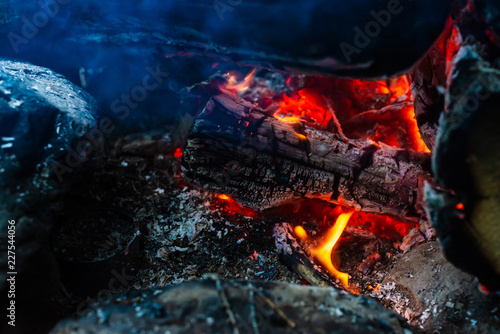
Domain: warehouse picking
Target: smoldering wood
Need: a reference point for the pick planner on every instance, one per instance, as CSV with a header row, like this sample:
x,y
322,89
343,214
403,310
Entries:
x,y
464,206
427,78
216,306
237,149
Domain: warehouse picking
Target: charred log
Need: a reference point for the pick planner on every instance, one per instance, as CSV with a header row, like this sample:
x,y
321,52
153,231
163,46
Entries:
x,y
466,163
427,79
216,306
239,150
294,256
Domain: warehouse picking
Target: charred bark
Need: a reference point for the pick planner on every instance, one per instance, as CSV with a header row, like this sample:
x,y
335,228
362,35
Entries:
x,y
239,150
466,163
295,257
217,306
427,78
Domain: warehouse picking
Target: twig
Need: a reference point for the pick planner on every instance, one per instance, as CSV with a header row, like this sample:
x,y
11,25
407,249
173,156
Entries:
x,y
335,120
253,316
277,310
225,302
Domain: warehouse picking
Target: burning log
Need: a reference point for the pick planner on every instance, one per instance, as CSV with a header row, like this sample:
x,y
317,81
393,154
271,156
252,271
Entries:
x,y
427,78
262,161
294,256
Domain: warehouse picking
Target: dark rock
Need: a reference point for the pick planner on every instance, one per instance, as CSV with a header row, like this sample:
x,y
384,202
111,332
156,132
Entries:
x,y
41,115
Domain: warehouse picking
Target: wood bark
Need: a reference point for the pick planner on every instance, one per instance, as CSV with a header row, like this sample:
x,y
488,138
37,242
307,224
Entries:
x,y
261,161
295,257
427,78
216,306
465,210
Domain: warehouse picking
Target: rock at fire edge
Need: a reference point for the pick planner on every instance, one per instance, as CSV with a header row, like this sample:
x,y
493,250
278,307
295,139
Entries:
x,y
41,115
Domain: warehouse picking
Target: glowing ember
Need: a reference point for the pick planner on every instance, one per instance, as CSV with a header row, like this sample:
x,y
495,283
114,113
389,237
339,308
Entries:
x,y
300,232
230,206
324,251
234,86
376,288
178,153
379,225
419,144
303,106
289,119
460,206
358,107
254,256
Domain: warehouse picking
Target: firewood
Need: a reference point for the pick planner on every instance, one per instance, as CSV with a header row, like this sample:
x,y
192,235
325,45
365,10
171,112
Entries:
x,y
262,162
295,257
427,77
222,306
466,162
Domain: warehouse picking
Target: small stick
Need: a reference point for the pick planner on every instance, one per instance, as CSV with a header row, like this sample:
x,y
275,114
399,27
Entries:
x,y
225,302
277,310
335,120
251,296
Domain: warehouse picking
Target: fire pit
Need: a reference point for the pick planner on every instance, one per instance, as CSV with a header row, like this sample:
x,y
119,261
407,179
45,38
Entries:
x,y
302,183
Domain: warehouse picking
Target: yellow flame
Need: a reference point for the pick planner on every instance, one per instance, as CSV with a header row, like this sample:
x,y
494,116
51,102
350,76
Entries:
x,y
289,119
224,197
233,84
301,136
324,251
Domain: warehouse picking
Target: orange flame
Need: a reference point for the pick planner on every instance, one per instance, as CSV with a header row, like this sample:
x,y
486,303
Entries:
x,y
232,207
326,101
302,105
301,136
324,251
235,86
300,232
419,143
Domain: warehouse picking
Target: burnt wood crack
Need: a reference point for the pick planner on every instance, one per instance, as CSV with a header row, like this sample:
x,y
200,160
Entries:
x,y
262,162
